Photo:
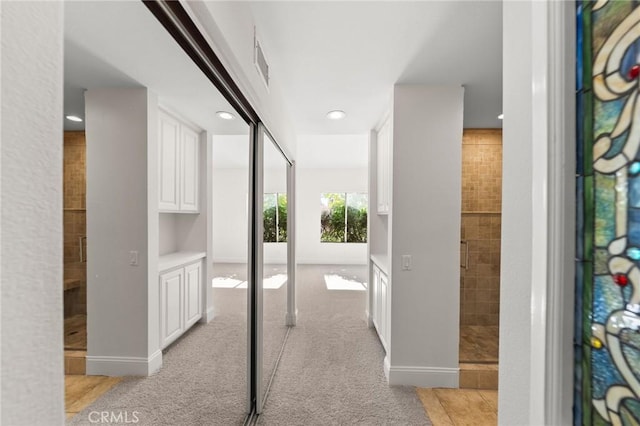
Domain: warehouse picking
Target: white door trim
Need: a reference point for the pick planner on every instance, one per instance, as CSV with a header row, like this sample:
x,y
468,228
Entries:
x,y
553,156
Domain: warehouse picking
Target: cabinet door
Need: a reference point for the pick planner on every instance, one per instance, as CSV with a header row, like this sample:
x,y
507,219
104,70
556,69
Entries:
x,y
171,306
375,309
189,170
384,325
193,291
169,153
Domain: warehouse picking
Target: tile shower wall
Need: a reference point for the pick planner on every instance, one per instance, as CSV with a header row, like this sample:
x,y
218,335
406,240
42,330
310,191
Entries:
x,y
75,227
481,224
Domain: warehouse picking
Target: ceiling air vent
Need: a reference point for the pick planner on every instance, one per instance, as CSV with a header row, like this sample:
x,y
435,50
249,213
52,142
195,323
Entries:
x,y
261,62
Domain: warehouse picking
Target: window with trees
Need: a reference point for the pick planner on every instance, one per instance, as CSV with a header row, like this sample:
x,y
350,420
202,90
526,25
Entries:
x,y
275,218
343,217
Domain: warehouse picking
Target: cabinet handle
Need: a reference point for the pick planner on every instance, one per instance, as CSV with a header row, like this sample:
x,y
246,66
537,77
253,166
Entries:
x,y
466,254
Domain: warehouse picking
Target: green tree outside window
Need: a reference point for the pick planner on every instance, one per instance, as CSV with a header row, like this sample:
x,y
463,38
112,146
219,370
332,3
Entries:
x,y
274,211
343,218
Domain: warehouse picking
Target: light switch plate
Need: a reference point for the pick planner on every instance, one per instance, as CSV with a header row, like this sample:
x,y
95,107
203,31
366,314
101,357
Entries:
x,y
406,262
133,258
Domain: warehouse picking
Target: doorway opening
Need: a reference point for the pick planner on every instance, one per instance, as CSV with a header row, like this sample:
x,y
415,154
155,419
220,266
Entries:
x,y
75,249
480,258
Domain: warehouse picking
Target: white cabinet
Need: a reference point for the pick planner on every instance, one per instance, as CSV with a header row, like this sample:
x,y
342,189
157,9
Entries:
x,y
192,292
384,308
375,288
169,152
171,306
180,308
381,300
383,162
189,172
178,149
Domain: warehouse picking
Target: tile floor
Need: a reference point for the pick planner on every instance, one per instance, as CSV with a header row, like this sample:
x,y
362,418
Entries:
x,y
460,407
80,391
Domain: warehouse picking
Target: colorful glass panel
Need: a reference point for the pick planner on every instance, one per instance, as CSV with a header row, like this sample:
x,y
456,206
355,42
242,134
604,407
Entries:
x,y
607,310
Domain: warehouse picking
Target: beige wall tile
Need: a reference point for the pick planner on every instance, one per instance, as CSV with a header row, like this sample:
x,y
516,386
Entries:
x,y
481,191
468,379
488,380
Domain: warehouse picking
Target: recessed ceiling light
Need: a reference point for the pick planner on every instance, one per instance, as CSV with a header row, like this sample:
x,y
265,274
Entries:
x,y
225,115
501,116
336,115
73,118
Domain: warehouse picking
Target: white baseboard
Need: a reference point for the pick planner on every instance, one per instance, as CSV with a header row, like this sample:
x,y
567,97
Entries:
x,y
123,365
368,318
291,318
424,377
207,316
387,367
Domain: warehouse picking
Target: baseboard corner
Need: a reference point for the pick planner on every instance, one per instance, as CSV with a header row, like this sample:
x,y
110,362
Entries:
x,y
424,377
207,316
116,366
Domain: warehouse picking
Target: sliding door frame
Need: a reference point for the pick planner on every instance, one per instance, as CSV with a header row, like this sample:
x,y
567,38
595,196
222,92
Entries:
x,y
179,24
258,289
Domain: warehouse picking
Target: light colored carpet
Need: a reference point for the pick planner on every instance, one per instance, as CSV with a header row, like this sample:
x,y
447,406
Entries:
x,y
330,372
202,382
203,377
331,369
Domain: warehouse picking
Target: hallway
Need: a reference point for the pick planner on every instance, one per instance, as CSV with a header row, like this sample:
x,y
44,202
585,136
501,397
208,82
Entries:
x,y
330,372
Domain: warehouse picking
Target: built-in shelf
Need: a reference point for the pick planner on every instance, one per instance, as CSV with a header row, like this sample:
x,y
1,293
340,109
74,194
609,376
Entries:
x,y
179,258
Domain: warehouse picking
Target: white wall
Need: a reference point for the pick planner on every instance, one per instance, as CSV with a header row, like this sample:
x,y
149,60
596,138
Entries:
x,y
230,215
310,184
230,219
515,291
31,221
122,304
425,222
168,240
229,27
378,224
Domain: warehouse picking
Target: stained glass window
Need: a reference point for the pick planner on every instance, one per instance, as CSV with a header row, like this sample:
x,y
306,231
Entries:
x,y
607,308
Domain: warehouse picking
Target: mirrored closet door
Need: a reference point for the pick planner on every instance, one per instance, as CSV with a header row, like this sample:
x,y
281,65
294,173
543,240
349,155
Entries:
x,y
166,244
274,264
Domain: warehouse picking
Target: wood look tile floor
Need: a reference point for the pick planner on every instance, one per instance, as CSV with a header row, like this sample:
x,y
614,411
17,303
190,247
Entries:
x,y
81,391
479,343
460,407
